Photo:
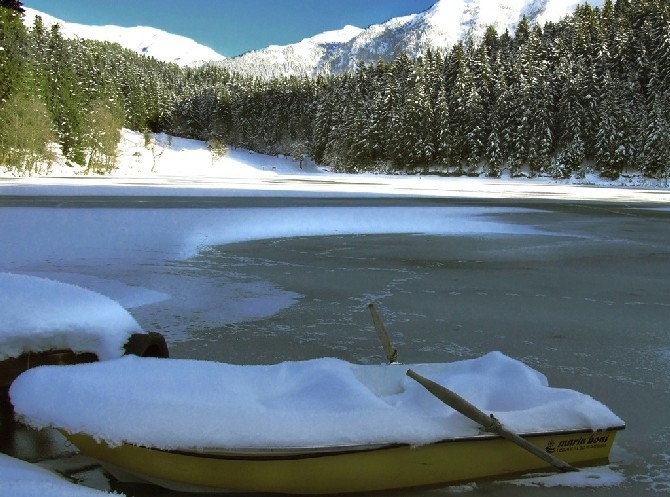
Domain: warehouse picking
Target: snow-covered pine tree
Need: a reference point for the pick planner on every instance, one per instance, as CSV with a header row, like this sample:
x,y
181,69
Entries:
x,y
616,147
15,5
656,140
12,49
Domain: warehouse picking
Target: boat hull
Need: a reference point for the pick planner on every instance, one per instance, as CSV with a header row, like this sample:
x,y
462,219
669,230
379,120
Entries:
x,y
349,470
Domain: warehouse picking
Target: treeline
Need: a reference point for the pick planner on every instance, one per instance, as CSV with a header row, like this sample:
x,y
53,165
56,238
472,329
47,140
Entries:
x,y
591,91
74,93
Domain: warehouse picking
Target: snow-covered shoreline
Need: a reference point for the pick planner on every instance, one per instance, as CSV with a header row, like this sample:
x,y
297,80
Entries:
x,y
183,167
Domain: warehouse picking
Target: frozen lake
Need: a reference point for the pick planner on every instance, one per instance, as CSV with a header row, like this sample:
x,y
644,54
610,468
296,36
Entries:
x,y
577,290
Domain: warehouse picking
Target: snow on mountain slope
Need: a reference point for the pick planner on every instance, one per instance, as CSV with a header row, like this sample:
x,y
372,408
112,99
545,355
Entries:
x,y
299,58
441,26
144,40
553,10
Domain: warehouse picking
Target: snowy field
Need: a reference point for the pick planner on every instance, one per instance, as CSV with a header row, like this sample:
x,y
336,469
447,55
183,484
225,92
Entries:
x,y
60,245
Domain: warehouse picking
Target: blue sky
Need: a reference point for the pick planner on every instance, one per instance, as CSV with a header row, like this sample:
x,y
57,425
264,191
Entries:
x,y
232,27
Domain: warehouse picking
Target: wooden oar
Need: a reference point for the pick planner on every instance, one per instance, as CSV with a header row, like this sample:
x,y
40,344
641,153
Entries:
x,y
390,353
490,423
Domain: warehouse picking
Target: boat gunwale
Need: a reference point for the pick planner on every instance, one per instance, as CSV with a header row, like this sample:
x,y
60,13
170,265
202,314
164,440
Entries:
x,y
283,473
287,453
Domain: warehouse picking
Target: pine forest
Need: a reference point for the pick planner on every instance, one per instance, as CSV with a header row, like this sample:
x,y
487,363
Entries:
x,y
588,93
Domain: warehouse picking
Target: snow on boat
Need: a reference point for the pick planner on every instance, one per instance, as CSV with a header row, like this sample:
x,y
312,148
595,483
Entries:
x,y
313,427
48,322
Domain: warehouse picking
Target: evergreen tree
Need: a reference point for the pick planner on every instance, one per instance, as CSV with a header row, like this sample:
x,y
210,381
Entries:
x,y
532,102
412,142
496,152
660,51
65,98
15,5
522,33
570,143
656,140
616,140
324,120
12,50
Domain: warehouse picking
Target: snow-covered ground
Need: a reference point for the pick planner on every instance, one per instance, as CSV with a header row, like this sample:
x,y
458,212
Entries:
x,y
174,167
178,166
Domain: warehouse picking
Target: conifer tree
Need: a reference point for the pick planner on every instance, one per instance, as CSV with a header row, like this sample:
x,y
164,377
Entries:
x,y
496,152
616,146
325,119
656,140
12,50
15,5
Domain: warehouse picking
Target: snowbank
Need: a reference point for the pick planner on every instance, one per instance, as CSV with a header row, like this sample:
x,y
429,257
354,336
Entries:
x,y
187,404
40,314
22,479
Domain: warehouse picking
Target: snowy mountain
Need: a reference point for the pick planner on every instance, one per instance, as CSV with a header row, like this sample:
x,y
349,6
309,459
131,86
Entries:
x,y
143,40
441,26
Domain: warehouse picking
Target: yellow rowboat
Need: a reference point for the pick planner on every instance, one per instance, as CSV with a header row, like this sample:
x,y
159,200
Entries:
x,y
323,426
345,469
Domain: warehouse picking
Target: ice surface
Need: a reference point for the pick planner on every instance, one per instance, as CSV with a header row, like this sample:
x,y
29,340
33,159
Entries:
x,y
170,404
39,314
106,235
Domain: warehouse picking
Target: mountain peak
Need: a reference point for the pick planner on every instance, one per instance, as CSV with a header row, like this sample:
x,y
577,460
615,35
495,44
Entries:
x,y
337,36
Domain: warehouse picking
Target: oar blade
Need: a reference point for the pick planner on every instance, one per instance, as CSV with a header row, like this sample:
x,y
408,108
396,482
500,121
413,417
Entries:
x,y
489,422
